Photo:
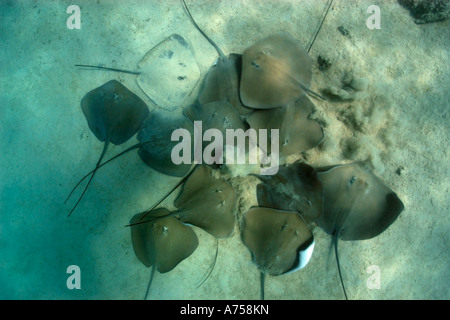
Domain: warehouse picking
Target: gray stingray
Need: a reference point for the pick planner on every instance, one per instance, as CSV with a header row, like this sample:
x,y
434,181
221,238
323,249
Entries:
x,y
162,244
156,146
275,72
223,78
114,114
295,187
297,132
168,72
280,242
356,204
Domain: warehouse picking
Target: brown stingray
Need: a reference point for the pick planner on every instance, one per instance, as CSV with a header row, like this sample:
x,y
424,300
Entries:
x,y
295,187
156,145
356,205
297,132
114,114
162,243
207,202
222,83
275,72
218,115
223,78
279,241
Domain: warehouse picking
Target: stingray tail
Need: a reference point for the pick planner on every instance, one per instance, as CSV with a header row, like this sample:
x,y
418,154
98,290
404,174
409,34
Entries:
x,y
107,69
169,193
335,242
201,31
150,282
213,264
262,278
327,8
90,180
99,166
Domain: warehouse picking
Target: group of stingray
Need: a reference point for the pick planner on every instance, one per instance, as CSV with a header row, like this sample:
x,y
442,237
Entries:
x,y
265,87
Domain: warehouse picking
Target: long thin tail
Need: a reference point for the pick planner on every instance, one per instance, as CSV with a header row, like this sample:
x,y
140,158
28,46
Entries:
x,y
220,52
335,240
150,282
108,69
170,192
262,278
213,264
320,25
92,177
99,166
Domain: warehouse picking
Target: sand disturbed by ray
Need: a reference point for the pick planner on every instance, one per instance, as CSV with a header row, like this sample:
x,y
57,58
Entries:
x,y
114,114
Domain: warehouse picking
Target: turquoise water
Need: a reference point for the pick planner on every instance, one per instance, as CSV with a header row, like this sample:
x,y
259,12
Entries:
x,y
46,146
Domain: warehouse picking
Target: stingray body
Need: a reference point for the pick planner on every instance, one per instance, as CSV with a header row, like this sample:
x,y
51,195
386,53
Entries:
x,y
114,114
275,72
207,202
156,145
162,244
170,64
223,78
295,187
280,242
297,132
356,205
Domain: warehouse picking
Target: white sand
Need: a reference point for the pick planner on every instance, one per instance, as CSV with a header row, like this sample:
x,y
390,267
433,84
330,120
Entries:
x,y
46,145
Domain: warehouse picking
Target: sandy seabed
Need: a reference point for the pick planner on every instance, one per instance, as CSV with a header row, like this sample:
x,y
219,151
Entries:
x,y
391,109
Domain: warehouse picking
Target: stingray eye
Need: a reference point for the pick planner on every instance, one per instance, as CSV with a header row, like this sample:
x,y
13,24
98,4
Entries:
x,y
351,180
115,97
257,66
165,230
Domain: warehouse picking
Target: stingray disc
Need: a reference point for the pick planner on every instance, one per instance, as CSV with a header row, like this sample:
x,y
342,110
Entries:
x,y
169,72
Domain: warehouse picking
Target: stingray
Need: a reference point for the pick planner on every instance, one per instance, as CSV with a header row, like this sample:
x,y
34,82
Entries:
x,y
223,78
280,242
219,115
156,146
206,202
275,72
167,73
295,187
297,132
356,204
114,114
162,244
